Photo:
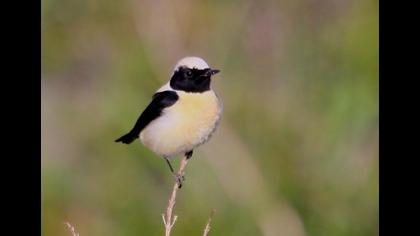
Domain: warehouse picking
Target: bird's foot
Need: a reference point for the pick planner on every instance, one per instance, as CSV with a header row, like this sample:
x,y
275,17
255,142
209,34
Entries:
x,y
179,179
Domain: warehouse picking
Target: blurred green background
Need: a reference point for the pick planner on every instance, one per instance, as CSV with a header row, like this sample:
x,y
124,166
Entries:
x,y
297,150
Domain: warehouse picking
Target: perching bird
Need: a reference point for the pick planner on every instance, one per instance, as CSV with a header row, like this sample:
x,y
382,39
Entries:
x,y
182,115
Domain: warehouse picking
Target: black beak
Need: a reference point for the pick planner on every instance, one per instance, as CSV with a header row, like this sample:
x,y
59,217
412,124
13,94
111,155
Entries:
x,y
211,72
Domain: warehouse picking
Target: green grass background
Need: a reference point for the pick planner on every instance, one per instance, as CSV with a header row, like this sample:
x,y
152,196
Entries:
x,y
297,150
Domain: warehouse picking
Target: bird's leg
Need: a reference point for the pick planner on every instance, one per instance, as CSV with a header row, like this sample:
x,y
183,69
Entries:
x,y
169,164
189,154
177,176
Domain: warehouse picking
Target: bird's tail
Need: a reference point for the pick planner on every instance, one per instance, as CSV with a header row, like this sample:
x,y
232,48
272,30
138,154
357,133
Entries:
x,y
127,138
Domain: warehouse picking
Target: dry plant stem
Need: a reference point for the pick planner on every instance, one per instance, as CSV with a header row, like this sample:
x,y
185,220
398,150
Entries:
x,y
72,230
168,220
207,228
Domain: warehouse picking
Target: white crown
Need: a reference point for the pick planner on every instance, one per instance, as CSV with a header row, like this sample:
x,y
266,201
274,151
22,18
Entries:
x,y
192,62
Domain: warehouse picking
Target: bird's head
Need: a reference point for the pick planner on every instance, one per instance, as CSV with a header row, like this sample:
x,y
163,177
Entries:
x,y
192,74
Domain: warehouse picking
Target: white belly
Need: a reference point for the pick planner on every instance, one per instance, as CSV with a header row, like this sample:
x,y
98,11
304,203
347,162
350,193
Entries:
x,y
183,126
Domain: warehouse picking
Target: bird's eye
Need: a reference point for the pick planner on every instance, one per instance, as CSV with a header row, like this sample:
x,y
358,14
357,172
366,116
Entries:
x,y
188,73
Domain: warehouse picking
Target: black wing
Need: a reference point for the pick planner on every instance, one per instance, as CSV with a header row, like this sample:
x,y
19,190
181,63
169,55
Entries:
x,y
152,111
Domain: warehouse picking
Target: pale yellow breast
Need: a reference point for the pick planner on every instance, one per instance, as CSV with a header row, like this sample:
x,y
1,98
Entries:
x,y
185,125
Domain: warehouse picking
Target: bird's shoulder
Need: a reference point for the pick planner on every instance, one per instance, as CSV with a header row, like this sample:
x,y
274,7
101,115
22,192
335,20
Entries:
x,y
160,101
164,98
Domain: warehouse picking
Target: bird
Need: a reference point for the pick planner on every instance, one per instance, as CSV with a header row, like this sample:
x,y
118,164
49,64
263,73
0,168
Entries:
x,y
182,115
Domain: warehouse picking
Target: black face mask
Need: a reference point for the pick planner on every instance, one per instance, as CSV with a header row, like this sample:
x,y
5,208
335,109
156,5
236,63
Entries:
x,y
192,80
